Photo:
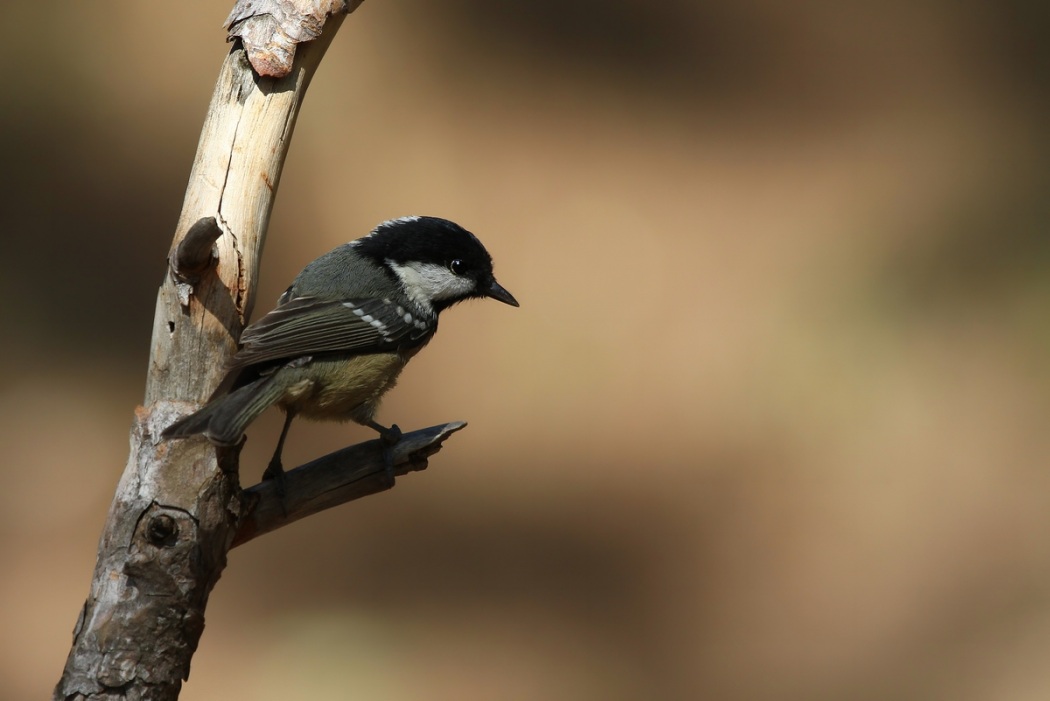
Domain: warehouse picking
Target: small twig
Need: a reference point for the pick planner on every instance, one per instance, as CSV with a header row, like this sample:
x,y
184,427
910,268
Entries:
x,y
336,478
194,253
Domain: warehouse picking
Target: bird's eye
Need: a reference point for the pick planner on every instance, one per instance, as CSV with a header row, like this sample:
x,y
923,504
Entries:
x,y
457,267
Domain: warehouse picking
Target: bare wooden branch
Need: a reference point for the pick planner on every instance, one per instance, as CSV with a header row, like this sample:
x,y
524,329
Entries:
x,y
178,504
336,478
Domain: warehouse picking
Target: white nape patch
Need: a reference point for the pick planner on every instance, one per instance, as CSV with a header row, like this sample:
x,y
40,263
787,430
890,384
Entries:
x,y
400,220
426,283
386,225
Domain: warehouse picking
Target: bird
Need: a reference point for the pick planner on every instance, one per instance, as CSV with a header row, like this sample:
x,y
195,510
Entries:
x,y
341,334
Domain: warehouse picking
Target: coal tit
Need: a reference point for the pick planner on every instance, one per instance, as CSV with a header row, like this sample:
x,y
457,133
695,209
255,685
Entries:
x,y
341,334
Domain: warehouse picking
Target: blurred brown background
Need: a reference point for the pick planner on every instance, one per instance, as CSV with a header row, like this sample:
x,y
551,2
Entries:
x,y
771,422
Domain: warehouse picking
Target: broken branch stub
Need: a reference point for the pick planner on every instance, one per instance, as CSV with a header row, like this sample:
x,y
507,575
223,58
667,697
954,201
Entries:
x,y
271,29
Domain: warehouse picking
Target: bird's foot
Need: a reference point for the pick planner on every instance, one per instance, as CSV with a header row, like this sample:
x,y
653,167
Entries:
x,y
275,471
389,437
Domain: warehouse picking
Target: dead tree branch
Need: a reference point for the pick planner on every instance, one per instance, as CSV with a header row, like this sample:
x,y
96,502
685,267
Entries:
x,y
179,507
336,478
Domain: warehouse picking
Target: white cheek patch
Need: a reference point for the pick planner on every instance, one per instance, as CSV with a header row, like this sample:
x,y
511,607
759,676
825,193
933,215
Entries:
x,y
426,282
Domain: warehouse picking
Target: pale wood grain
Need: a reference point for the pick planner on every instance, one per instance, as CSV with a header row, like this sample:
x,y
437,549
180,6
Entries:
x,y
178,504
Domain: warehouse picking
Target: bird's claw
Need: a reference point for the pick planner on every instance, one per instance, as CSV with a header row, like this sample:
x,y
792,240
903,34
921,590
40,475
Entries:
x,y
389,437
275,471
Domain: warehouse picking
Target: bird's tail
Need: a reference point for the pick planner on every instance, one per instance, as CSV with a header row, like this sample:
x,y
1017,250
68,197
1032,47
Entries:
x,y
223,419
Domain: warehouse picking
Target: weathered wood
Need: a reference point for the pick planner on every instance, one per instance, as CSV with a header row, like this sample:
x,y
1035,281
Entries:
x,y
336,478
194,253
178,504
271,29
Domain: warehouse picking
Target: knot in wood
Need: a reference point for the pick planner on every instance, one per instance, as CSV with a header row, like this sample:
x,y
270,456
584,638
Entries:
x,y
162,531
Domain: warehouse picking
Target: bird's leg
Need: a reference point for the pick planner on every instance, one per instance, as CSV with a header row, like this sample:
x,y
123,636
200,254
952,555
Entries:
x,y
275,470
390,437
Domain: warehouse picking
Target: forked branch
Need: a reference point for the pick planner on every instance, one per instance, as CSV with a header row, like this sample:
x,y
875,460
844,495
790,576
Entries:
x,y
179,508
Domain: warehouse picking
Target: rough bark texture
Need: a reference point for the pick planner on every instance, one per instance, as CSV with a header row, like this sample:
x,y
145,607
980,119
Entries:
x,y
271,29
178,505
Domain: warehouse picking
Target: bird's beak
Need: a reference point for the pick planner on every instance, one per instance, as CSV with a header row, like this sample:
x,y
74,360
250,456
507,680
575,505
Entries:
x,y
496,291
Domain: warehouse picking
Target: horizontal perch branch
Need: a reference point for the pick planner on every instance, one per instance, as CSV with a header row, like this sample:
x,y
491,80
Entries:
x,y
336,478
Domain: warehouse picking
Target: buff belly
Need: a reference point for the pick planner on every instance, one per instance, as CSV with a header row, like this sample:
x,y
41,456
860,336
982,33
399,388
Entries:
x,y
341,389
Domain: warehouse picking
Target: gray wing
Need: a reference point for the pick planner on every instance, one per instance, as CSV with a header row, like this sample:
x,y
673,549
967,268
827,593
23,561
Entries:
x,y
309,325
